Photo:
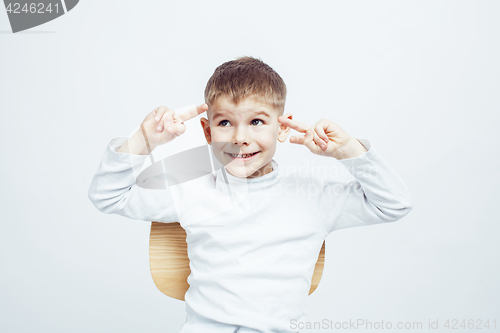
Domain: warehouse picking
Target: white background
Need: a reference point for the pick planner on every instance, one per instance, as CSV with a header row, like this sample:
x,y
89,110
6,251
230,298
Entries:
x,y
419,79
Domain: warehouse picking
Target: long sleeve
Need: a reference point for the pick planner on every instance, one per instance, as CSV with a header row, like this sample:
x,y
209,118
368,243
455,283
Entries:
x,y
114,190
377,194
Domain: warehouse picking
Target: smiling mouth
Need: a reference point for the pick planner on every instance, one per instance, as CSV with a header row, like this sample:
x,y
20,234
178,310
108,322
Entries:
x,y
243,156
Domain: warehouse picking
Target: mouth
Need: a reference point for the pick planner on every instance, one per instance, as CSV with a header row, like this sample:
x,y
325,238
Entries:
x,y
243,157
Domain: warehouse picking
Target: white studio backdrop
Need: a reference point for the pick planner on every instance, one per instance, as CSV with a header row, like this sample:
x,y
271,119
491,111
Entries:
x,y
419,79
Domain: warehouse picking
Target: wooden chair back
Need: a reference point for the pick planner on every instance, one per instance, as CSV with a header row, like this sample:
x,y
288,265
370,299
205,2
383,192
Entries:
x,y
169,261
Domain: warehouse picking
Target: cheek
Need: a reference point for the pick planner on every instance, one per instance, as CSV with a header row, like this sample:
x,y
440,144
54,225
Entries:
x,y
220,139
268,143
217,135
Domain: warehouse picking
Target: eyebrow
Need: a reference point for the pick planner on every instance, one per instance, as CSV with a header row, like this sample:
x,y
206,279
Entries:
x,y
220,114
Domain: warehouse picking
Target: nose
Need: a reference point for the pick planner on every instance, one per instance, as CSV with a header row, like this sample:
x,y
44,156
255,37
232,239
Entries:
x,y
240,136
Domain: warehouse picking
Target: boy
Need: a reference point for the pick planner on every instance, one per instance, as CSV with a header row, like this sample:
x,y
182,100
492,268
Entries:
x,y
251,259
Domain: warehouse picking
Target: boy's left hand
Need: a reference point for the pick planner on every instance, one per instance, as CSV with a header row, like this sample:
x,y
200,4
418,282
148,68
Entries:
x,y
325,138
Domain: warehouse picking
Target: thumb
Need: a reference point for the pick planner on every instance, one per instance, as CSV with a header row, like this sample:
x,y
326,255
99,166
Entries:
x,y
176,128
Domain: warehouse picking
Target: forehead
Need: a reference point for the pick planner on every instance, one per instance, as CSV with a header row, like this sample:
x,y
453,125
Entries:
x,y
248,106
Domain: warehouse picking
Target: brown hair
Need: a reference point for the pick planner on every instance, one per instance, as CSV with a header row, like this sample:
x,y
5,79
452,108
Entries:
x,y
246,77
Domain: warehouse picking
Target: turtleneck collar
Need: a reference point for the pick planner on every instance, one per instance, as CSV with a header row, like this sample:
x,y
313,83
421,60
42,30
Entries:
x,y
269,179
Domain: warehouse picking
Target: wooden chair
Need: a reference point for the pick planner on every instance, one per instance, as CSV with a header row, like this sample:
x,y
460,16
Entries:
x,y
169,262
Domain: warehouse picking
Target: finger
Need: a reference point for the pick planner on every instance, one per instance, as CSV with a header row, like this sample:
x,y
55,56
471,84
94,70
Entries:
x,y
311,140
297,139
300,139
193,112
296,125
166,118
321,138
176,129
320,131
159,112
317,141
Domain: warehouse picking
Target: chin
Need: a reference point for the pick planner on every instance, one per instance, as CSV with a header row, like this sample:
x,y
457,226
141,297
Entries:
x,y
240,172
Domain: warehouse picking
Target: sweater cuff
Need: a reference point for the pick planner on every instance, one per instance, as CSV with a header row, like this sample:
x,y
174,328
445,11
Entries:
x,y
361,159
136,161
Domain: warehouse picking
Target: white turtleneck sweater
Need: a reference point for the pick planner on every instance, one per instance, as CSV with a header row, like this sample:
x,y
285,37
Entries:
x,y
252,243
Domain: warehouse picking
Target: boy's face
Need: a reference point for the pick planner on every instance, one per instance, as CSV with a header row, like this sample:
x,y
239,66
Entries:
x,y
249,127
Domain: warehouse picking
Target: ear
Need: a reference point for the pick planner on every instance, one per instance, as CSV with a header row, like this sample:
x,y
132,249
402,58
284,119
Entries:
x,y
284,130
206,130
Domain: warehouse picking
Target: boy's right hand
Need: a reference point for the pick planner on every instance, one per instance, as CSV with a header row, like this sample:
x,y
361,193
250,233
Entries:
x,y
160,126
163,124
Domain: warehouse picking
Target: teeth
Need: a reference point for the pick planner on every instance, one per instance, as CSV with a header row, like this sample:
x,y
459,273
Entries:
x,y
242,156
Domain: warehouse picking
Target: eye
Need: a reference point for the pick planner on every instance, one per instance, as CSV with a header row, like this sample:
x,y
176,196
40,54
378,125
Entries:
x,y
222,121
257,120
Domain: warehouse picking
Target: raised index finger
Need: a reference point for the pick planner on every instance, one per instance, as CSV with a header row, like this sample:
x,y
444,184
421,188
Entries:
x,y
296,125
193,112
